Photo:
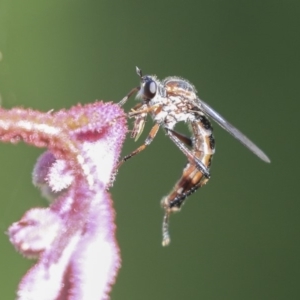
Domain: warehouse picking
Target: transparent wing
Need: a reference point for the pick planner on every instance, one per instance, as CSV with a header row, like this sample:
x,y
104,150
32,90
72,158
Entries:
x,y
233,131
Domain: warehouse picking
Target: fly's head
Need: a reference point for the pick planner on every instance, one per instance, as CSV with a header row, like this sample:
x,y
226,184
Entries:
x,y
152,95
151,90
148,93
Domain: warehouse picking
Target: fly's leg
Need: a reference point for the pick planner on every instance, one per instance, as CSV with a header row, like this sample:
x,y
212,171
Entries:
x,y
192,158
140,114
138,126
183,138
147,142
142,108
124,100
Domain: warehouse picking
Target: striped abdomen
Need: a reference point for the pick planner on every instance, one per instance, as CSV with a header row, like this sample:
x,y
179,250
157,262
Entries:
x,y
203,148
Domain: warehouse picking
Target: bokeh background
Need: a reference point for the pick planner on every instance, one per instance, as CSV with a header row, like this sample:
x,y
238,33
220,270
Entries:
x,y
237,238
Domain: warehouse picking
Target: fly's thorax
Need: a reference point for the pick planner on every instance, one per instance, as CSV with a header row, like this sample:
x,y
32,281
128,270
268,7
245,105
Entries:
x,y
168,117
179,87
172,109
177,83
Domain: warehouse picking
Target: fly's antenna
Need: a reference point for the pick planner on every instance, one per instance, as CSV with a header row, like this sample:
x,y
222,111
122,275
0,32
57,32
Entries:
x,y
139,72
165,229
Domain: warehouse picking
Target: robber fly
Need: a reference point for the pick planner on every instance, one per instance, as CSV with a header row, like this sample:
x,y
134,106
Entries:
x,y
168,102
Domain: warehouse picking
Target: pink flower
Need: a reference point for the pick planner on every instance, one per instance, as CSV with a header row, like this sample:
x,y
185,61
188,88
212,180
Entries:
x,y
74,239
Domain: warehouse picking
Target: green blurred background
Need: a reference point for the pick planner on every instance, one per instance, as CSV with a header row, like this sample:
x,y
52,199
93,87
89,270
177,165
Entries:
x,y
237,238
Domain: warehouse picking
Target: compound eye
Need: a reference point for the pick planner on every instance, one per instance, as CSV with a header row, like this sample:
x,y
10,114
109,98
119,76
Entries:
x,y
150,89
